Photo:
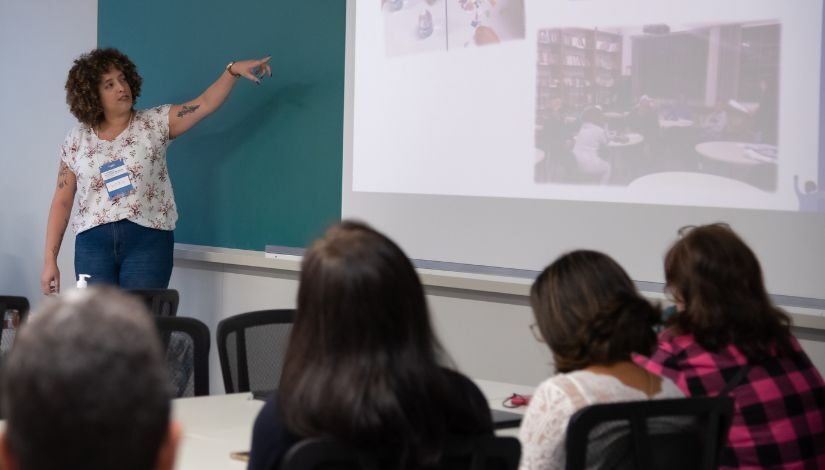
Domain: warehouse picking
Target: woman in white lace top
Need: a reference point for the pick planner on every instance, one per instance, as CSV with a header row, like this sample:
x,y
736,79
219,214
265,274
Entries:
x,y
588,311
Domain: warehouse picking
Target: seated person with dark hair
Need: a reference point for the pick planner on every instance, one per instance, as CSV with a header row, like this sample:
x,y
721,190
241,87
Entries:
x,y
726,324
363,363
85,387
590,314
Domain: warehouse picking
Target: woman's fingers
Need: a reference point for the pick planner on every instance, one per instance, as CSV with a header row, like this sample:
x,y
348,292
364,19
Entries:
x,y
255,70
247,74
263,66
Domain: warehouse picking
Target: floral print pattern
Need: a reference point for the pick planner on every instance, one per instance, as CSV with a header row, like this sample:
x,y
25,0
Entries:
x,y
142,147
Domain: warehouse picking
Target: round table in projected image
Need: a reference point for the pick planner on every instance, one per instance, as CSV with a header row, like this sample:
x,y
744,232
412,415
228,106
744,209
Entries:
x,y
675,123
615,114
740,160
736,153
628,140
687,181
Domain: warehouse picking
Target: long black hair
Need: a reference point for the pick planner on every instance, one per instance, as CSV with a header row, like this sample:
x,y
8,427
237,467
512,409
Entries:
x,y
363,362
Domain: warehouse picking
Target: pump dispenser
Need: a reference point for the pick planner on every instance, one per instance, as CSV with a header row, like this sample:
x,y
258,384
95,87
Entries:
x,y
81,281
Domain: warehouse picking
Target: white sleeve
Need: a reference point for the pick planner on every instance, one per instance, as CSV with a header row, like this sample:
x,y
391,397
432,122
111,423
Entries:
x,y
544,427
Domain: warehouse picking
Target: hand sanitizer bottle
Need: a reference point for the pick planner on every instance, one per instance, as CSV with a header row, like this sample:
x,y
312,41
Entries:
x,y
81,281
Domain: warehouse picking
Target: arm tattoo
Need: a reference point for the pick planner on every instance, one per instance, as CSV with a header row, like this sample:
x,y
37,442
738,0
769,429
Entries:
x,y
62,175
188,110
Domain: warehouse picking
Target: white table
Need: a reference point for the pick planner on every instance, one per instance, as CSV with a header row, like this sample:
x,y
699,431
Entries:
x,y
215,426
675,123
632,138
616,114
728,152
687,181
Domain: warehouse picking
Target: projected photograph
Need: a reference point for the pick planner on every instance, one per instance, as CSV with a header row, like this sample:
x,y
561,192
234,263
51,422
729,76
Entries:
x,y
419,26
650,104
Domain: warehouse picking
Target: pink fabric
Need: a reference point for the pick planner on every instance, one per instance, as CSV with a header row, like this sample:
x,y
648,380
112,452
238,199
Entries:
x,y
779,417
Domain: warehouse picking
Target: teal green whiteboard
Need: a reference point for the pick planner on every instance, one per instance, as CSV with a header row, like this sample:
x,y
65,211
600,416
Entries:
x,y
265,169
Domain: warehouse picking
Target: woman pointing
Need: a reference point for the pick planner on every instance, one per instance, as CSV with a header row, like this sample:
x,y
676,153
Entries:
x,y
114,165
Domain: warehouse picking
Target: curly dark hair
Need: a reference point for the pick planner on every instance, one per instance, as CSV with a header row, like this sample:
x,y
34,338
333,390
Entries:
x,y
718,278
590,313
82,94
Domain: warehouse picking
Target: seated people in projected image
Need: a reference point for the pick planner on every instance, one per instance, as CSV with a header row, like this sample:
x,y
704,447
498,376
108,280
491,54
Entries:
x,y
554,139
644,119
363,363
590,314
589,143
766,114
725,322
714,124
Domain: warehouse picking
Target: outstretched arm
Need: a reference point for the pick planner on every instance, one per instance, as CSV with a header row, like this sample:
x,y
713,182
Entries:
x,y
183,116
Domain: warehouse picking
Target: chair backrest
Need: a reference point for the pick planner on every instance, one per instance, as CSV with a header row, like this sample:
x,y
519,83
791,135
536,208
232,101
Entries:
x,y
11,302
252,347
460,453
681,433
161,302
21,304
186,341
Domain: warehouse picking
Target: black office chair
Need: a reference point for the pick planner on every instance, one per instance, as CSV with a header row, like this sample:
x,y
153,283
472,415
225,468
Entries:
x,y
682,433
161,302
251,347
11,302
460,453
186,341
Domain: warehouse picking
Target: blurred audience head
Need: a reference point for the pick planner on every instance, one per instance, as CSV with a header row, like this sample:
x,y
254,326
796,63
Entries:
x,y
85,386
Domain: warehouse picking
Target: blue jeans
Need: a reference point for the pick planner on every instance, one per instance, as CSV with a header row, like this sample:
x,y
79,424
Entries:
x,y
125,254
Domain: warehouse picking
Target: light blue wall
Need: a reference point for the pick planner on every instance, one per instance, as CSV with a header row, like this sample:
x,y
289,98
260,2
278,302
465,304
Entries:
x,y
38,42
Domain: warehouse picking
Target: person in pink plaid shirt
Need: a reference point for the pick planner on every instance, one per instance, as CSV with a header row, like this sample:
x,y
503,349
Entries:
x,y
725,321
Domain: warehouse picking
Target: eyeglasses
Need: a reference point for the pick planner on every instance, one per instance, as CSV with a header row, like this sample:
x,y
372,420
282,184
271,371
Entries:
x,y
684,230
534,328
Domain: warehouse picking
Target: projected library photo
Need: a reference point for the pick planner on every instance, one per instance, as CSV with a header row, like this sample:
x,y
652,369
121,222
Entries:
x,y
621,106
415,26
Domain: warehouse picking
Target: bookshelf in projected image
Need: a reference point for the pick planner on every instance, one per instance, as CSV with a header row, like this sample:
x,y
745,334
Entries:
x,y
617,104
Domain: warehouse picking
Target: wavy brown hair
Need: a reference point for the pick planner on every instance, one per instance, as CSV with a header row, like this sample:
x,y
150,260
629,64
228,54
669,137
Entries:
x,y
590,313
719,280
82,85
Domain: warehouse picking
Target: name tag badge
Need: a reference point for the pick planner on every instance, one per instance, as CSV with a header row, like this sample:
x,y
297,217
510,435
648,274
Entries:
x,y
116,177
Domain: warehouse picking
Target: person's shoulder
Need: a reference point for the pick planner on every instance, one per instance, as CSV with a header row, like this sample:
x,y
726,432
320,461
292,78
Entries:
x,y
669,389
78,131
559,385
460,381
269,414
674,340
270,438
468,410
74,140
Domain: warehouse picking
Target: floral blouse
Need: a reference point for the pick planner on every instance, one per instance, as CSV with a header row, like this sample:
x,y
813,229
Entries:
x,y
142,147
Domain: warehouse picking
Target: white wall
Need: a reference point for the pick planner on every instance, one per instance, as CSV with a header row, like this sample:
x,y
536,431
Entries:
x,y
487,335
39,39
